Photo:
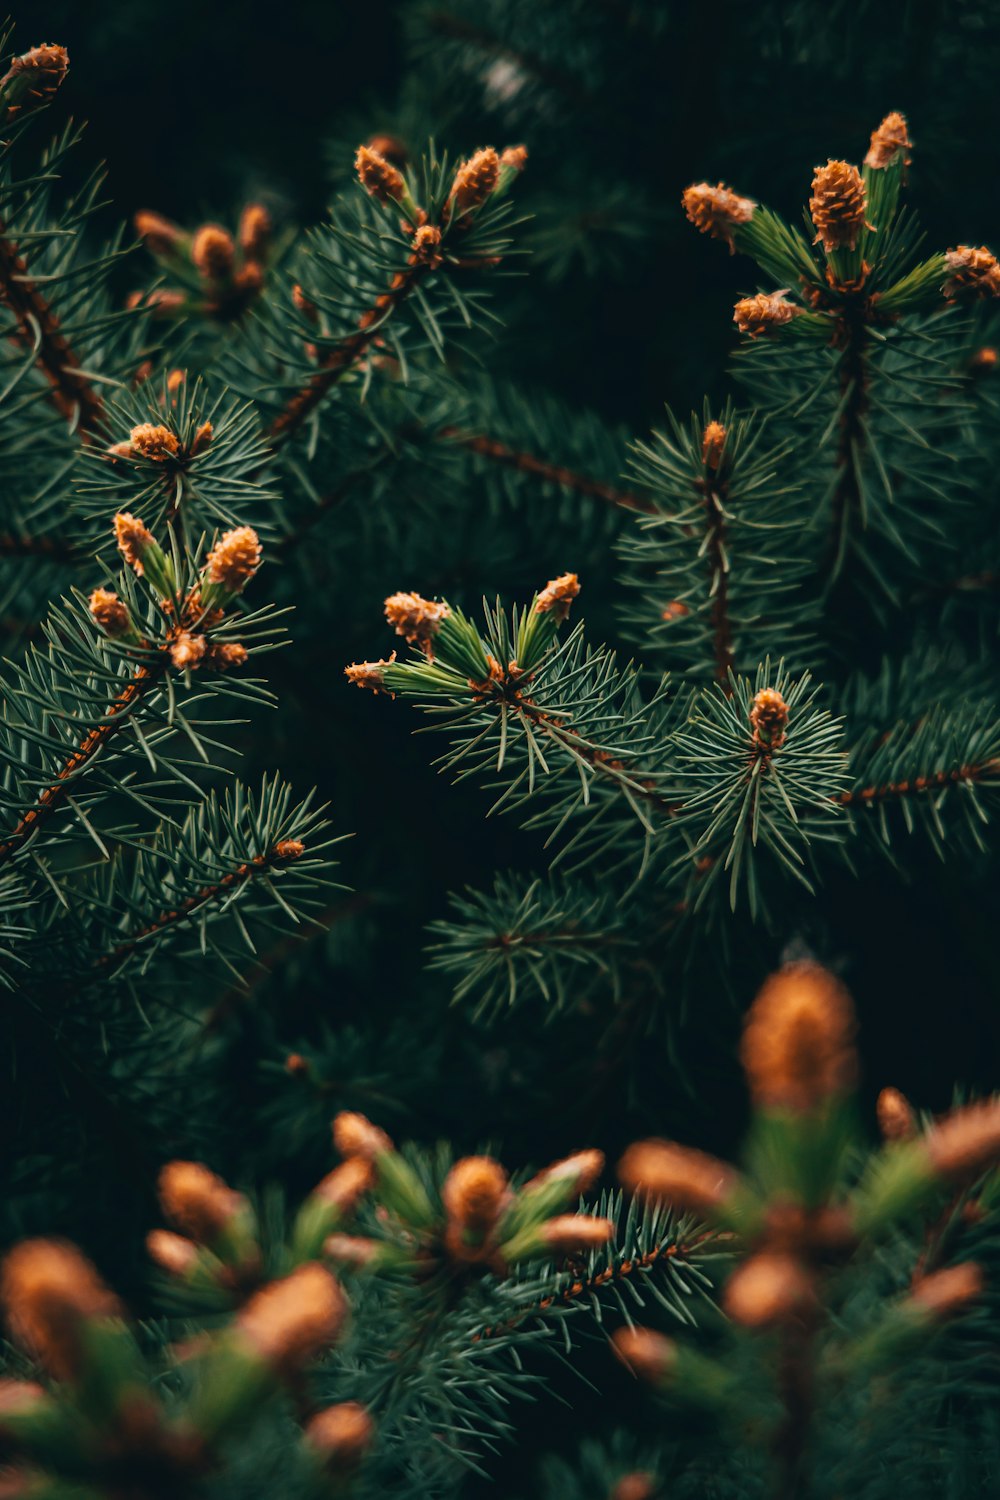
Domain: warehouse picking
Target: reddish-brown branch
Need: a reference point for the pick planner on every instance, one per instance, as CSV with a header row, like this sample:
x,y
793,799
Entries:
x,y
590,1284
528,463
70,390
214,892
54,795
347,353
935,782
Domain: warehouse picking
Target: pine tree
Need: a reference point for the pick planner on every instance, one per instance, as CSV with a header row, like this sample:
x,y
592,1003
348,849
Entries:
x,y
735,679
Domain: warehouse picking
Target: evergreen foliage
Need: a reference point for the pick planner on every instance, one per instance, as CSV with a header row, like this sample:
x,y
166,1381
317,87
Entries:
x,y
747,725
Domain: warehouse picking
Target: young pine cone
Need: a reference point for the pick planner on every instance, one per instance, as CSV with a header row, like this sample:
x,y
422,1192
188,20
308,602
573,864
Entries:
x,y
837,205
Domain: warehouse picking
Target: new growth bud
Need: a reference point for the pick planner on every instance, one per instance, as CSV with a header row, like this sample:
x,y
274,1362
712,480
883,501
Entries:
x,y
769,719
474,181
713,441
474,1194
889,142
717,211
197,1201
798,1040
50,1292
557,596
213,251
291,1322
369,674
416,619
649,1355
340,1436
355,1135
896,1119
942,1294
32,79
153,441
771,1287
837,205
763,313
378,177
233,560
135,541
686,1178
162,237
972,273
110,613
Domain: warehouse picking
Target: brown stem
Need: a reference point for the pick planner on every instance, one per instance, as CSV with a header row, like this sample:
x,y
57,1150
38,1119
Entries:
x,y
718,572
587,1285
70,390
527,463
54,795
796,1389
214,892
347,353
934,782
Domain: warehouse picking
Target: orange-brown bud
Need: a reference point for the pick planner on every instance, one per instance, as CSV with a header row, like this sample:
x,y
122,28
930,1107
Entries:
x,y
973,273
234,559
133,539
351,1251
346,1185
110,613
289,849
378,177
889,141
942,1294
638,1485
161,236
254,232
197,1201
798,1040
984,360
515,157
340,1435
427,244
769,1288
33,77
581,1171
201,439
837,205
355,1135
769,719
415,618
557,595
49,1291
213,251
717,211
474,181
674,611
225,654
187,650
713,441
763,313
684,1177
895,1116
474,1194
966,1142
154,441
292,1321
369,674
568,1233
391,147
172,1252
647,1354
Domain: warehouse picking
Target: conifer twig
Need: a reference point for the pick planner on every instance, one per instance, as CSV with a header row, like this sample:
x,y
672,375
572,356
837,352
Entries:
x,y
934,782
143,680
529,463
70,390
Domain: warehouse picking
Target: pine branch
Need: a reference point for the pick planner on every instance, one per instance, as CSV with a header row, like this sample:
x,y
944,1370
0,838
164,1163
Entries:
x,y
348,353
529,463
71,391
933,781
143,681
